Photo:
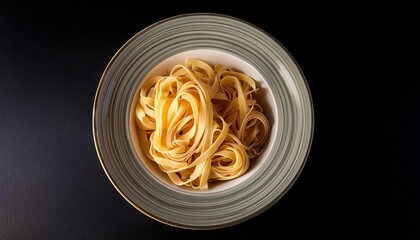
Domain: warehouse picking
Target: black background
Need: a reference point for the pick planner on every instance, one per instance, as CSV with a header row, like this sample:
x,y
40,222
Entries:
x,y
362,175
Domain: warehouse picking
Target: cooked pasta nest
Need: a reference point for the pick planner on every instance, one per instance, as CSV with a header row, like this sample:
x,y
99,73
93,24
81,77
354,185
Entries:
x,y
201,124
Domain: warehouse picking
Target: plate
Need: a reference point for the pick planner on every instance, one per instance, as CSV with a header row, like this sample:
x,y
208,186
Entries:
x,y
284,95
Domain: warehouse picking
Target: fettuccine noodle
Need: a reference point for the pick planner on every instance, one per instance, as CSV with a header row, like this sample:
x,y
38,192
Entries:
x,y
201,124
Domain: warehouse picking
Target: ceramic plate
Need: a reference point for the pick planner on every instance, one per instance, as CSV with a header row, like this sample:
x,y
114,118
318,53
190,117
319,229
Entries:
x,y
284,96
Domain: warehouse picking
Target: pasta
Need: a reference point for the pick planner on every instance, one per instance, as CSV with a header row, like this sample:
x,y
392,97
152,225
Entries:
x,y
201,124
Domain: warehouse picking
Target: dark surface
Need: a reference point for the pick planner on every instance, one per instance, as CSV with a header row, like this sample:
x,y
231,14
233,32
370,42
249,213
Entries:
x,y
362,176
